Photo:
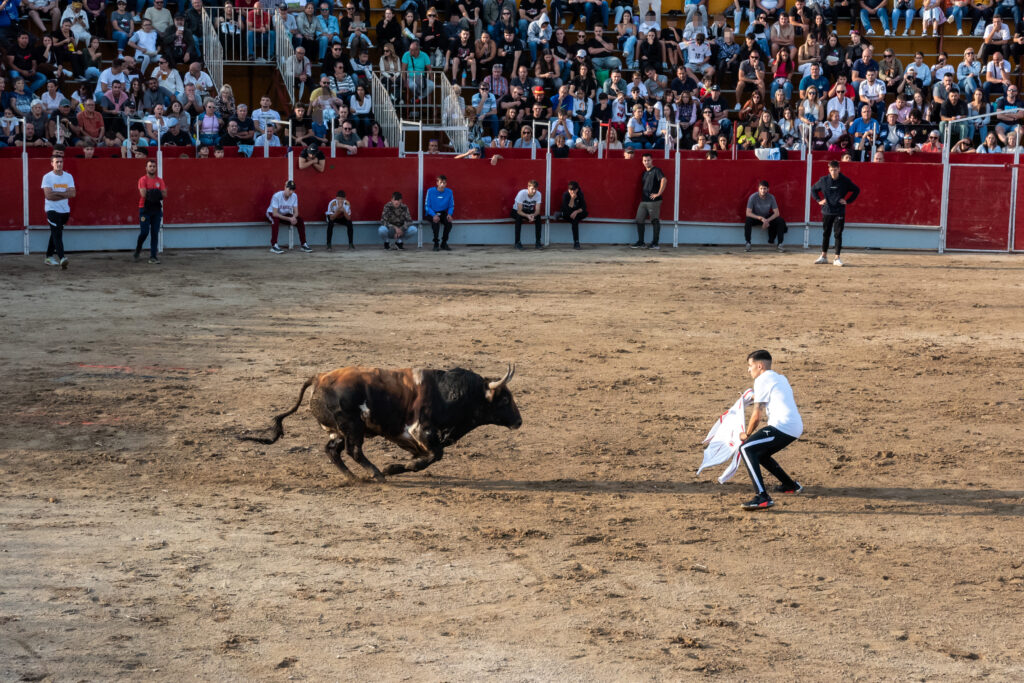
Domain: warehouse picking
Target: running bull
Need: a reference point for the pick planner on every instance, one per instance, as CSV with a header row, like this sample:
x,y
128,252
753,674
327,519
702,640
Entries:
x,y
421,411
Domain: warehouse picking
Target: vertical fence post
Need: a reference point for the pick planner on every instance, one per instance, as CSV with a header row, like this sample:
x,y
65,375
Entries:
x,y
807,199
944,210
419,198
24,184
1013,193
675,207
547,197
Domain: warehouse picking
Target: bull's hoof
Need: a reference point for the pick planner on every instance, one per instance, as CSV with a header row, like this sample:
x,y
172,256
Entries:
x,y
379,478
394,469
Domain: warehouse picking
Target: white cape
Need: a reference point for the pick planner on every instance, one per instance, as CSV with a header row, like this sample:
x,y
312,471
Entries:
x,y
723,441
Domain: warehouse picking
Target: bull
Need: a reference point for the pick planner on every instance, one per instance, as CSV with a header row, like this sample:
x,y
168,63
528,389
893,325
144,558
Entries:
x,y
421,411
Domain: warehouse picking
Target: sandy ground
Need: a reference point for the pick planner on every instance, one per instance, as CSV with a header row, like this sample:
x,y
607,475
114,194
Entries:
x,y
140,540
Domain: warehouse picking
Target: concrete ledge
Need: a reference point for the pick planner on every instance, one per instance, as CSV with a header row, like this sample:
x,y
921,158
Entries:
x,y
122,238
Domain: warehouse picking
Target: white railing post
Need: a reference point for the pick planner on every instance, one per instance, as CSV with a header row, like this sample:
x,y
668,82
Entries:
x,y
600,140
675,204
291,172
547,198
419,199
807,198
1013,195
944,209
334,142
24,183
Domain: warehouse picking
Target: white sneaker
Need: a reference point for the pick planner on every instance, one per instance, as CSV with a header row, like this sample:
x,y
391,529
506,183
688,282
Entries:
x,y
747,248
906,33
274,249
871,31
821,260
888,32
64,263
837,262
781,249
51,261
306,248
959,31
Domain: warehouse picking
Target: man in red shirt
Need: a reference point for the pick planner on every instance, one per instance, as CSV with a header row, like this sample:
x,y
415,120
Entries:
x,y
260,35
152,191
91,123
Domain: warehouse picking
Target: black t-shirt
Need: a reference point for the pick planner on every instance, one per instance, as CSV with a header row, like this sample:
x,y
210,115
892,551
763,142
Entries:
x,y
180,139
229,140
532,8
651,183
23,57
950,110
312,153
560,152
244,126
593,43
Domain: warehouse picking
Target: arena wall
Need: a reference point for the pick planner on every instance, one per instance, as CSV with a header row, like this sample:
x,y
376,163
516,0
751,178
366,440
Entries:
x,y
220,203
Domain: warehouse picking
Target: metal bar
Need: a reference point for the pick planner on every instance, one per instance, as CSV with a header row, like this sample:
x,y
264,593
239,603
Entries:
x,y
944,209
807,199
24,183
419,199
547,198
675,208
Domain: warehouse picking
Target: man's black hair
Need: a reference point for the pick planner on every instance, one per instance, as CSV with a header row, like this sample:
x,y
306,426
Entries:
x,y
396,195
760,356
765,183
832,164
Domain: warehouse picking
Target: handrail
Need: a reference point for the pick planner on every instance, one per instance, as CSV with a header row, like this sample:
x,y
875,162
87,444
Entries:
x,y
384,112
213,51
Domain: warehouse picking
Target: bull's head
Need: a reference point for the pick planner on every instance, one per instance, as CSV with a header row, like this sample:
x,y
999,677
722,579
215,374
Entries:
x,y
503,409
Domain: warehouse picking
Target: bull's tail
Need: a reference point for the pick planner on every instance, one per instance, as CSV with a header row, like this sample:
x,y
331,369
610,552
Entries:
x,y
278,427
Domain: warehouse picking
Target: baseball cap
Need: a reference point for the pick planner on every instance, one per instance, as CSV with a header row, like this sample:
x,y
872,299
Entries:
x,y
290,185
715,87
581,54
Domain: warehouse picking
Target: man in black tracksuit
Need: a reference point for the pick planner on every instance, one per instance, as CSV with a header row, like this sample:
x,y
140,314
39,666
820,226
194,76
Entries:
x,y
833,192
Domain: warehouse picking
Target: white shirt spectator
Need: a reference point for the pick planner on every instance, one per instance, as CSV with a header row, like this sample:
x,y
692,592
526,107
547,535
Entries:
x,y
57,183
203,82
145,41
872,91
845,108
260,118
170,80
286,206
261,140
998,70
1004,32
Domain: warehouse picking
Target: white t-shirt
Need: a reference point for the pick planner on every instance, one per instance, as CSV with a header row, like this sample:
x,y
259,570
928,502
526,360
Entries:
x,y
145,41
337,203
528,204
286,206
57,183
260,118
772,388
108,77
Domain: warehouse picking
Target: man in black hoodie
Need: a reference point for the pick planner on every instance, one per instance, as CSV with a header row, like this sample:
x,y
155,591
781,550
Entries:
x,y
833,192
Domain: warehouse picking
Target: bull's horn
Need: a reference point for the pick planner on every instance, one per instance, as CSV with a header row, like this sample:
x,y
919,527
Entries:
x,y
504,380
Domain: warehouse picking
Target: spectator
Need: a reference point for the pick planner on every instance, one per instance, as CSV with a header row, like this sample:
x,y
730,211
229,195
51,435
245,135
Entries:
x,y
284,207
951,111
932,146
990,145
864,125
751,75
763,211
76,14
1009,111
268,137
573,210
600,51
299,65
932,15
396,222
22,63
833,192
91,123
527,207
208,124
144,42
312,157
968,74
872,93
652,187
347,138
906,8
996,37
152,193
997,75
58,187
439,205
874,8
339,210
179,42
177,135
415,65
327,29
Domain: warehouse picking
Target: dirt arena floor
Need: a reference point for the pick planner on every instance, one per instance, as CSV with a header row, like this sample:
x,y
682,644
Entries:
x,y
140,540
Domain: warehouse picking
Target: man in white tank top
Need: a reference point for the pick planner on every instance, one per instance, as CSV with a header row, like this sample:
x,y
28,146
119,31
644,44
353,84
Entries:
x,y
773,402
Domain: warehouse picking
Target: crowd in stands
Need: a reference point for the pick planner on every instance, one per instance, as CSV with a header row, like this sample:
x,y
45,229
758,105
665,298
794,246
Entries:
x,y
760,76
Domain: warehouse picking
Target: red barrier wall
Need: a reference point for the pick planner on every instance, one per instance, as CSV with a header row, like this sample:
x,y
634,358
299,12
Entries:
x,y
10,195
238,191
977,219
904,194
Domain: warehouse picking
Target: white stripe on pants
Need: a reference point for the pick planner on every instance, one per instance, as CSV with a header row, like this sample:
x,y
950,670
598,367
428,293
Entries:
x,y
750,467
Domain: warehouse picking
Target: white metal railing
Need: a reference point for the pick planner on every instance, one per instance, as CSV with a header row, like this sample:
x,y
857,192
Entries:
x,y
420,96
384,111
453,116
238,42
283,51
213,52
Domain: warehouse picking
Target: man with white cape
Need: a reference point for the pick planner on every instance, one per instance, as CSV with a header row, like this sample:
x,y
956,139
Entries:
x,y
729,441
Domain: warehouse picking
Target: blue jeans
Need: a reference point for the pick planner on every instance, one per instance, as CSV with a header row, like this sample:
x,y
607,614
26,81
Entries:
x,y
267,44
628,46
958,14
33,83
608,63
883,15
386,233
1004,12
588,11
122,40
149,226
969,85
787,88
908,19
92,74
